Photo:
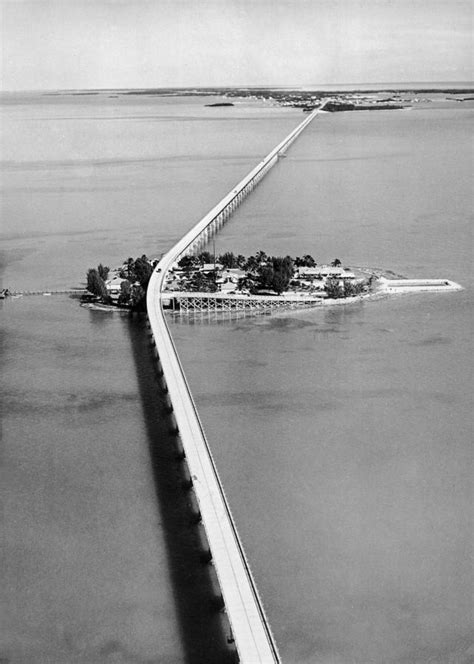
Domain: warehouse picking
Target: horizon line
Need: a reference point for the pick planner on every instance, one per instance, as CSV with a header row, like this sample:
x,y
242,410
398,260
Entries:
x,y
303,87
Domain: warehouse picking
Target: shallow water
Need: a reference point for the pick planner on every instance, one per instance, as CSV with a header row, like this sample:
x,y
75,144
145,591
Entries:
x,y
342,436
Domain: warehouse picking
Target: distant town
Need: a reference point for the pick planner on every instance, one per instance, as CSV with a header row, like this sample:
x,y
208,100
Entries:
x,y
352,100
306,100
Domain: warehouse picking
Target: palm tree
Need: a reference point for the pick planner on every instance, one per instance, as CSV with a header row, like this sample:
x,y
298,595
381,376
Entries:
x,y
252,264
129,267
205,257
309,260
103,271
228,260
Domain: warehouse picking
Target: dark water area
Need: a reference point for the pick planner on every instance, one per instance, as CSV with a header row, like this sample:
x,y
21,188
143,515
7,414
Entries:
x,y
87,577
203,628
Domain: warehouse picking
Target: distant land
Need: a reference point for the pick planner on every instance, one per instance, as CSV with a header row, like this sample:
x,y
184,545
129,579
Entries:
x,y
345,98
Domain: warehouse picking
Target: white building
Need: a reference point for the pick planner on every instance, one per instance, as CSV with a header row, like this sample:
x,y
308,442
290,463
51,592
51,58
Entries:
x,y
113,287
324,272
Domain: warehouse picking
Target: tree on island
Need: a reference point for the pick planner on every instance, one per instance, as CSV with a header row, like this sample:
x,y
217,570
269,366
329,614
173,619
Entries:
x,y
203,283
205,257
251,264
305,261
336,263
349,289
188,262
142,271
280,282
246,283
276,275
265,277
352,288
138,298
103,271
228,260
129,267
333,288
96,285
125,294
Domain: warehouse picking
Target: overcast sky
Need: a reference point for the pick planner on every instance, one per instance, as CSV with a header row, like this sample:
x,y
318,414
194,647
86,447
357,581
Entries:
x,y
60,44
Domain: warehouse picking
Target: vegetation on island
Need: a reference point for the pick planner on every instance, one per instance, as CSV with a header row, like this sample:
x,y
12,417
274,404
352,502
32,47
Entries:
x,y
335,106
263,274
96,279
127,287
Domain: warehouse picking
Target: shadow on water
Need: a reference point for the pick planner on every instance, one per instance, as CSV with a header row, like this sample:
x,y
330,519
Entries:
x,y
204,630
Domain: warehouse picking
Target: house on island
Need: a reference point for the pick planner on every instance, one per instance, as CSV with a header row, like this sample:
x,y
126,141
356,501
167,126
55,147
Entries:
x,y
322,273
207,268
114,287
228,280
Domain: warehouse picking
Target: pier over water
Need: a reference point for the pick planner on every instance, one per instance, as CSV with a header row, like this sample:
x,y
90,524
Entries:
x,y
251,632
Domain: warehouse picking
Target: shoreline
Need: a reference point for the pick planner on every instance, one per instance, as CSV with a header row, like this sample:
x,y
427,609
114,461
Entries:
x,y
380,294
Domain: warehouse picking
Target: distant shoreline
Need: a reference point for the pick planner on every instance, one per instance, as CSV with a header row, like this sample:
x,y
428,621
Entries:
x,y
250,91
338,99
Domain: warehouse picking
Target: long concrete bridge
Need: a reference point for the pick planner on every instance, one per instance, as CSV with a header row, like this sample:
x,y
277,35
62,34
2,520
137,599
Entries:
x,y
251,632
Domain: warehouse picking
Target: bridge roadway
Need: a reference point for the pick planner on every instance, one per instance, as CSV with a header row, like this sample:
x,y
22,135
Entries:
x,y
250,628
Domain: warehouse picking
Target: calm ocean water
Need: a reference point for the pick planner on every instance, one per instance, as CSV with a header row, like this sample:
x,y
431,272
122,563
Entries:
x,y
343,437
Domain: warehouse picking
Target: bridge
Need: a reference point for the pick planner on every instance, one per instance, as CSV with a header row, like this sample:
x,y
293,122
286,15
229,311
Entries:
x,y
195,302
251,631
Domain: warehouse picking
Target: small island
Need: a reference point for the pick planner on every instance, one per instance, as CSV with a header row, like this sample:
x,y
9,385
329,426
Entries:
x,y
123,287
338,106
259,276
